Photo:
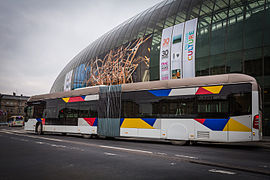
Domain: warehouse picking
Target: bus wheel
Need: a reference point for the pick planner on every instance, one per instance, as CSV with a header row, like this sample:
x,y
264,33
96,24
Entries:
x,y
179,142
87,136
109,138
39,129
94,136
193,143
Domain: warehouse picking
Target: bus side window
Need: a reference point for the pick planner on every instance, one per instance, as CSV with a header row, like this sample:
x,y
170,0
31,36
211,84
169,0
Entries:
x,y
129,109
29,112
212,106
51,113
38,111
87,109
240,104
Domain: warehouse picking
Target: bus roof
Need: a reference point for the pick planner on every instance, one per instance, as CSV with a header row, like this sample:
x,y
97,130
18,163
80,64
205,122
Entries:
x,y
166,84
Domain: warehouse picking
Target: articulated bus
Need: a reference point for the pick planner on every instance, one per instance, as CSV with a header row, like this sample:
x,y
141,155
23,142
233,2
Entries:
x,y
220,108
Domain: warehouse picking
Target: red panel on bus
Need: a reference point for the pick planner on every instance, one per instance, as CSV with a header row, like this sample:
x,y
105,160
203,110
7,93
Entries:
x,y
203,91
90,121
76,99
43,121
200,120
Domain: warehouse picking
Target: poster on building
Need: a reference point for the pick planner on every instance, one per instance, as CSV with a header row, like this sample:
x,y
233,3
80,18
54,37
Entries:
x,y
127,63
79,76
176,51
67,84
165,55
189,48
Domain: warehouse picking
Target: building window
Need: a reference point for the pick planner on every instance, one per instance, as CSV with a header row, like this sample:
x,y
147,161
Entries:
x,y
234,62
253,62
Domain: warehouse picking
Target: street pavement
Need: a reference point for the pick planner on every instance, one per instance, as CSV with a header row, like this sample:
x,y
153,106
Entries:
x,y
28,156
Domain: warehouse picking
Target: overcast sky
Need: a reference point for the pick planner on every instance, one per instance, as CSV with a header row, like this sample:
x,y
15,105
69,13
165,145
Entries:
x,y
39,37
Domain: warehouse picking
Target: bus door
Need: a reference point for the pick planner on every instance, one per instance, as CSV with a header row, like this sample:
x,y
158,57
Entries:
x,y
213,113
62,118
68,117
240,122
109,111
61,121
71,117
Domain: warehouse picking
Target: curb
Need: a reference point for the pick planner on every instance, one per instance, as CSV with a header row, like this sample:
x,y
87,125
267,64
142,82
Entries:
x,y
238,168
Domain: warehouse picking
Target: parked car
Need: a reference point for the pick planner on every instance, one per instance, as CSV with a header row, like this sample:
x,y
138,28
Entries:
x,y
16,121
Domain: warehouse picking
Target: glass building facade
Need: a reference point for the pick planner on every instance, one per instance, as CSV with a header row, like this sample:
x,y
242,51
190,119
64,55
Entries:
x,y
233,36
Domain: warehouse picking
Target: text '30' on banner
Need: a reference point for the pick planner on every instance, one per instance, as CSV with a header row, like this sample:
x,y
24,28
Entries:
x,y
165,54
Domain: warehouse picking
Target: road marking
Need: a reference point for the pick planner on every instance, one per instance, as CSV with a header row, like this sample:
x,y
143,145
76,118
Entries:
x,y
37,137
184,156
264,166
20,132
51,139
221,171
19,139
6,132
109,154
126,149
164,154
76,148
38,142
55,145
16,131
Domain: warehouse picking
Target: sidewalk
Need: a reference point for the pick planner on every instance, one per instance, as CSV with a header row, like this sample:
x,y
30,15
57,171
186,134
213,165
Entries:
x,y
265,142
266,138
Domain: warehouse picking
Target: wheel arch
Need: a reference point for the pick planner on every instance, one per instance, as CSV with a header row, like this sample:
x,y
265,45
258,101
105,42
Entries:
x,y
177,131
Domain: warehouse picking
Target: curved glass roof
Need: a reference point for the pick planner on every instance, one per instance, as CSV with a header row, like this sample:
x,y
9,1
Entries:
x,y
214,17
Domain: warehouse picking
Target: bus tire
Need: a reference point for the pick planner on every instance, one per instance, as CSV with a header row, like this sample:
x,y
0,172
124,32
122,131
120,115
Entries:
x,y
94,136
179,142
39,129
87,136
193,143
109,138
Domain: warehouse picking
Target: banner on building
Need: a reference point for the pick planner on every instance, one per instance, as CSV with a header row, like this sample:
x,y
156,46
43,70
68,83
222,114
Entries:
x,y
80,76
165,55
189,48
67,84
176,51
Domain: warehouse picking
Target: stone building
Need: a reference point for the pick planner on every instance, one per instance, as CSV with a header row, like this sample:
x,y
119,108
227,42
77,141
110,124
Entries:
x,y
11,105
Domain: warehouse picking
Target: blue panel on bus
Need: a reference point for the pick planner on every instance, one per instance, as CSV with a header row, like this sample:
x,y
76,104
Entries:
x,y
121,121
215,124
160,92
95,122
150,121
